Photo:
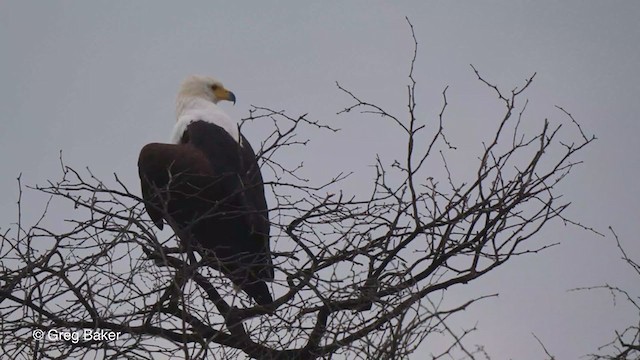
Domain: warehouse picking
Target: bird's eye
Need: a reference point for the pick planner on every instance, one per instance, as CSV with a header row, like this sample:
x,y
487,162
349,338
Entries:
x,y
214,87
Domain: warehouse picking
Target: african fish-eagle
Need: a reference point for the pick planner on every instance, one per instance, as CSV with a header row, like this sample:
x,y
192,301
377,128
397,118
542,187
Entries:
x,y
208,187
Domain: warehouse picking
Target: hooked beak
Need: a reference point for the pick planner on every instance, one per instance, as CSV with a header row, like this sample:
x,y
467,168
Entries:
x,y
224,94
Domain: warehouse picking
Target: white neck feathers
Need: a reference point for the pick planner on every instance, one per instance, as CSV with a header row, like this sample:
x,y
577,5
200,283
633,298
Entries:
x,y
193,108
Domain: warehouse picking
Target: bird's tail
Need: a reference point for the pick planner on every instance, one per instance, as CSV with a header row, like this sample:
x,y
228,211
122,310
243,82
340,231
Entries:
x,y
258,290
249,275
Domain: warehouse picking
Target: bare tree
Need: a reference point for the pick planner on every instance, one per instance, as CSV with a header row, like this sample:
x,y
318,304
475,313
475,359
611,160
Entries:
x,y
356,276
626,343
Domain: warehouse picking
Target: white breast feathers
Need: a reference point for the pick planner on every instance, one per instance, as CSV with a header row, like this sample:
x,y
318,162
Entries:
x,y
196,109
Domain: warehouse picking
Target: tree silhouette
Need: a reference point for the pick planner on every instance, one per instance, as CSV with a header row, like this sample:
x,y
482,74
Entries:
x,y
626,343
357,276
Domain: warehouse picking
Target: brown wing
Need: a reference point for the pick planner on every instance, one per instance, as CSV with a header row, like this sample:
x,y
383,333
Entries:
x,y
254,192
157,163
212,192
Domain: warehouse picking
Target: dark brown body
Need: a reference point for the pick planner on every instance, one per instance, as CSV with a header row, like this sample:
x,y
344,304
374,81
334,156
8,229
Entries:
x,y
211,190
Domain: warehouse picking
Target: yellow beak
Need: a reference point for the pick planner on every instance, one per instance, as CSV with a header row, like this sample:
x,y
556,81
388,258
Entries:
x,y
224,94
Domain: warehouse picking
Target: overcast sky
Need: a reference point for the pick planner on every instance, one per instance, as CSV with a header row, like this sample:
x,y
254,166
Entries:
x,y
98,80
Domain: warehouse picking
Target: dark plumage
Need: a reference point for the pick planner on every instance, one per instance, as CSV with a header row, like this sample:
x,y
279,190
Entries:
x,y
208,186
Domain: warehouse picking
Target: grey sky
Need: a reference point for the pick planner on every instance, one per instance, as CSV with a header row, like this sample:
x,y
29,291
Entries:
x,y
97,80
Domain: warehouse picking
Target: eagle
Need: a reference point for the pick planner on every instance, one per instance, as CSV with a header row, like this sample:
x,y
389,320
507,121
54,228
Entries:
x,y
207,185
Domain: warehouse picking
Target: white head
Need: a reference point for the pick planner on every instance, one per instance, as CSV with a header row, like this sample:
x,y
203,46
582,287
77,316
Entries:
x,y
197,100
206,88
